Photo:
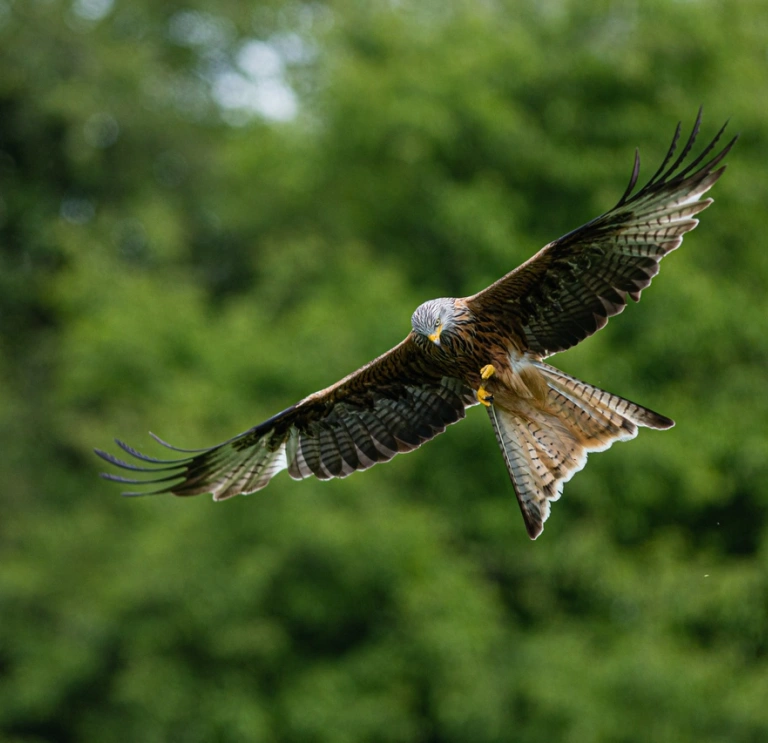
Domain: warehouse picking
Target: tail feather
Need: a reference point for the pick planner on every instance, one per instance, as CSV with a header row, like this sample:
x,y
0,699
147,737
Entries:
x,y
594,397
546,442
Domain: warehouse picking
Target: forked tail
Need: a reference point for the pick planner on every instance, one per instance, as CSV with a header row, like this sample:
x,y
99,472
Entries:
x,y
545,442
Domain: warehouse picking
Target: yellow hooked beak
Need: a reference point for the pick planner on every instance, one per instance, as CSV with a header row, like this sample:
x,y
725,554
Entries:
x,y
435,337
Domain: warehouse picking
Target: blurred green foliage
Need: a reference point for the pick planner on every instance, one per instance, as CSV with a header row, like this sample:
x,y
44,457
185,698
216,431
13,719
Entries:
x,y
174,256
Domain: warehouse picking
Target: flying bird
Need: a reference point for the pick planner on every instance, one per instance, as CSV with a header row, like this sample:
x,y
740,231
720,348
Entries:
x,y
487,349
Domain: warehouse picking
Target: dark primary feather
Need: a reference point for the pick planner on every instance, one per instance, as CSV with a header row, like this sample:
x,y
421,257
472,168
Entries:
x,y
392,405
570,288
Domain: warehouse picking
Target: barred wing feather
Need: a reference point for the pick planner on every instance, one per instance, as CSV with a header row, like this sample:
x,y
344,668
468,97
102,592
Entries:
x,y
387,407
569,289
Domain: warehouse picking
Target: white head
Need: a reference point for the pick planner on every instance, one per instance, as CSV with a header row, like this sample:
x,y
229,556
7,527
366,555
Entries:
x,y
433,318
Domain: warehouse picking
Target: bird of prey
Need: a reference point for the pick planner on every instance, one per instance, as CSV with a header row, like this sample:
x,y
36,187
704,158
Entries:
x,y
487,349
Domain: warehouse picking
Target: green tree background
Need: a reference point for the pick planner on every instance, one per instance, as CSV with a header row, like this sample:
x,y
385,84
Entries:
x,y
209,209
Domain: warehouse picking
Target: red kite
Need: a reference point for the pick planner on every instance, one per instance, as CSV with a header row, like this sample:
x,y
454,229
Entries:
x,y
489,349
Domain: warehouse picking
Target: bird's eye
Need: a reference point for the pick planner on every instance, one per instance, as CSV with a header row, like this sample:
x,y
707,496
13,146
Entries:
x,y
438,323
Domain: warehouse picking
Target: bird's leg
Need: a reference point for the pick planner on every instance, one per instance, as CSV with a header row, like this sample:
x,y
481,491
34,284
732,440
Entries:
x,y
483,396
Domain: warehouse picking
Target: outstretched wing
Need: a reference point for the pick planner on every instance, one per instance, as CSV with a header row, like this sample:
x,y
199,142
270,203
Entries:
x,y
570,288
393,404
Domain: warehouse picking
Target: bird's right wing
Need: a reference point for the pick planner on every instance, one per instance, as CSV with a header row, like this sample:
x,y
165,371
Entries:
x,y
392,405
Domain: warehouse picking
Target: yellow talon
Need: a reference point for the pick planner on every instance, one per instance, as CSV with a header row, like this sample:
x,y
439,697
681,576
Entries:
x,y
487,371
483,396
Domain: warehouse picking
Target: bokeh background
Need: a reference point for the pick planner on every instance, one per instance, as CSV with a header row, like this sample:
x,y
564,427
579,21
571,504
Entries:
x,y
209,209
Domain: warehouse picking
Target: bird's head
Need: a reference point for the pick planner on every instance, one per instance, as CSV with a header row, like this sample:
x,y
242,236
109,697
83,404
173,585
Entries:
x,y
434,320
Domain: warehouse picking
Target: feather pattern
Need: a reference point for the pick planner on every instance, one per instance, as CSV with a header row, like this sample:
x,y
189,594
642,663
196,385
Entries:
x,y
348,427
545,442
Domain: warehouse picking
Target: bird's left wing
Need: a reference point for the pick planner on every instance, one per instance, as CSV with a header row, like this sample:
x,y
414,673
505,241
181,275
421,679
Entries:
x,y
393,404
570,288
